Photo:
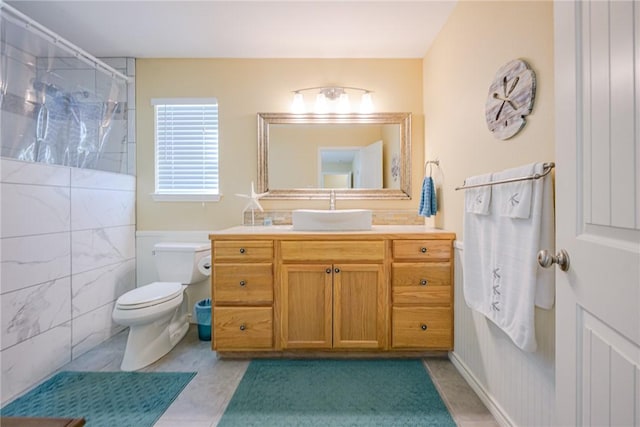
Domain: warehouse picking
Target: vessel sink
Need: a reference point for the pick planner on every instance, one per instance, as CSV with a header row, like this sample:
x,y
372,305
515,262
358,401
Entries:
x,y
331,220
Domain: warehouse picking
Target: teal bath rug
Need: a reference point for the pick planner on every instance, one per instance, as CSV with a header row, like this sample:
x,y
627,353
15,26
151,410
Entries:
x,y
336,393
103,399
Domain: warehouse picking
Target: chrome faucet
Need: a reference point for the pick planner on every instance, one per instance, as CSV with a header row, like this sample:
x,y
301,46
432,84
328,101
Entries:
x,y
332,200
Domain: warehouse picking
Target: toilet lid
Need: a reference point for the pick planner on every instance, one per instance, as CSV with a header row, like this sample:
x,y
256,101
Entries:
x,y
151,294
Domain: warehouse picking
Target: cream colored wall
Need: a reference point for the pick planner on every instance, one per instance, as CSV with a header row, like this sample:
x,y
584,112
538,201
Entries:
x,y
477,39
245,87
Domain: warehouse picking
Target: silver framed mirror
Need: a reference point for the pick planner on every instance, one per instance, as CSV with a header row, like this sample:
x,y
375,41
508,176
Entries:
x,y
357,156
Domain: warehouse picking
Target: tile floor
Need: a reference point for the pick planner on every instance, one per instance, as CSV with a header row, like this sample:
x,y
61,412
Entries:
x,y
203,401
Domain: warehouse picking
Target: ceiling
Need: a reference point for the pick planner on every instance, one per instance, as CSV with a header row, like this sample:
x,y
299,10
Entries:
x,y
245,29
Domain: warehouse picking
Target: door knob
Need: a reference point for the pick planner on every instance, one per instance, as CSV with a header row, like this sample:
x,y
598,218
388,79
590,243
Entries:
x,y
546,260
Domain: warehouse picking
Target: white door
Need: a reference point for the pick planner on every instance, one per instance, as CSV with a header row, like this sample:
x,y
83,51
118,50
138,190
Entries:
x,y
371,166
597,60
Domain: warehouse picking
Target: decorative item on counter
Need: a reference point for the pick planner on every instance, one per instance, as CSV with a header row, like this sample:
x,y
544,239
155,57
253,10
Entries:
x,y
510,98
252,204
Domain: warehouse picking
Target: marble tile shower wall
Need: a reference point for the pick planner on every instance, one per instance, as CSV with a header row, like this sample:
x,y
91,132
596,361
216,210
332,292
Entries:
x,y
68,251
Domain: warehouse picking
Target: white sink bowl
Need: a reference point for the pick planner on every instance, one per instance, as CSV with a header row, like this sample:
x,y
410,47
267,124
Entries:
x,y
331,220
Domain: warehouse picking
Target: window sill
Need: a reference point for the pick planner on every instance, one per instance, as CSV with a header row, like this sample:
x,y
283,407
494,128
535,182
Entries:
x,y
186,197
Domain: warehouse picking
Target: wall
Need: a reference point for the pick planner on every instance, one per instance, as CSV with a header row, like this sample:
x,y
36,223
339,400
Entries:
x,y
245,87
67,254
476,40
67,239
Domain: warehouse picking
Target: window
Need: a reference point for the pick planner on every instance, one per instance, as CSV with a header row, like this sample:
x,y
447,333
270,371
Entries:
x,y
186,152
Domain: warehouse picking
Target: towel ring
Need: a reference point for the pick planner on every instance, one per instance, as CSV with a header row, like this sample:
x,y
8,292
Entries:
x,y
430,163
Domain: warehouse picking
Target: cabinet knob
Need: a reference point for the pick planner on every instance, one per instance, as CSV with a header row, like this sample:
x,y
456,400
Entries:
x,y
337,270
423,250
242,250
423,327
242,327
242,283
328,270
423,282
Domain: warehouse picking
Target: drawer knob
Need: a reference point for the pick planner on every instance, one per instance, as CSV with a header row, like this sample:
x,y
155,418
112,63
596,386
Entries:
x,y
242,327
423,327
423,282
423,250
337,270
328,270
242,250
242,283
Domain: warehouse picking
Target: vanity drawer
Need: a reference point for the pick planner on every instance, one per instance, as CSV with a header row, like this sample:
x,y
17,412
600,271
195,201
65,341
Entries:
x,y
243,283
242,328
420,327
422,250
421,283
243,250
332,251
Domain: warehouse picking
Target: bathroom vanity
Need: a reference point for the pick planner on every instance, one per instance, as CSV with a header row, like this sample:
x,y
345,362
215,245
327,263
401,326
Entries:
x,y
385,291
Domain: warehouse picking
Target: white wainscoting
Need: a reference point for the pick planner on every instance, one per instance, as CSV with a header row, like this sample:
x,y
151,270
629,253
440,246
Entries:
x,y
517,387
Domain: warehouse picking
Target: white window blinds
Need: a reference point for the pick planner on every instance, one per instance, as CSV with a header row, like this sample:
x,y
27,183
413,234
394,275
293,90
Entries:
x,y
186,155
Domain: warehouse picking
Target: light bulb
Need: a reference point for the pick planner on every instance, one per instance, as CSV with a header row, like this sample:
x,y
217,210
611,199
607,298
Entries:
x,y
297,106
343,104
366,104
322,106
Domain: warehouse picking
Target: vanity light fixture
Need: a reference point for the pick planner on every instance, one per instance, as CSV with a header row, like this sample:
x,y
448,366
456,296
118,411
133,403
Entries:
x,y
332,99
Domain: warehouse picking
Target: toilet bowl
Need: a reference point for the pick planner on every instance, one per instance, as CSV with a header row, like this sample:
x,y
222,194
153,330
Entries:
x,y
157,313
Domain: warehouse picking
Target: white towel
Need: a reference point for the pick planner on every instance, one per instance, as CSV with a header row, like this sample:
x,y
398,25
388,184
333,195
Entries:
x,y
478,247
514,199
501,273
477,200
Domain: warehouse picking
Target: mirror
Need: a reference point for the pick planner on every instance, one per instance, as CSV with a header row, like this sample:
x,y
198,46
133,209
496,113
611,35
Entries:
x,y
359,156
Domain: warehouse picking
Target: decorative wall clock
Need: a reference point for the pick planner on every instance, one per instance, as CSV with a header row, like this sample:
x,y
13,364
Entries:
x,y
510,99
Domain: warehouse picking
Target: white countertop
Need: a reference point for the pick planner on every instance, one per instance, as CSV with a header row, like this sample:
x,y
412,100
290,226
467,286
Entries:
x,y
288,229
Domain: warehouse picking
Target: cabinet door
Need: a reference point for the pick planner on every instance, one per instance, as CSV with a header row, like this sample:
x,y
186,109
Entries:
x,y
359,306
306,306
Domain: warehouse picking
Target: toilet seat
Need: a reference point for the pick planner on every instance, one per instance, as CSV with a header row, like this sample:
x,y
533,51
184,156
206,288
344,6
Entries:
x,y
148,295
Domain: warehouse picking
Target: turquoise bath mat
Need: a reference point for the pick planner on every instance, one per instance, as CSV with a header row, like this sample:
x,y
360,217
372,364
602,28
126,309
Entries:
x,y
336,393
106,399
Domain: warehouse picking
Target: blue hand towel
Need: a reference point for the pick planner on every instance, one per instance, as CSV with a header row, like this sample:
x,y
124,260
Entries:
x,y
428,202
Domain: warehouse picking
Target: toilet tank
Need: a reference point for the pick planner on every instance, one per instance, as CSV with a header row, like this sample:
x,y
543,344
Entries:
x,y
178,262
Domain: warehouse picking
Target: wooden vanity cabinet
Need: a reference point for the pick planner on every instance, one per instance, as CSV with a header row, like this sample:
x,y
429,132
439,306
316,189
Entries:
x,y
326,304
328,293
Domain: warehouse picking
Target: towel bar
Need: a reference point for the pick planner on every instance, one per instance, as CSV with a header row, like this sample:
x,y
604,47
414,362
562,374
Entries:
x,y
546,169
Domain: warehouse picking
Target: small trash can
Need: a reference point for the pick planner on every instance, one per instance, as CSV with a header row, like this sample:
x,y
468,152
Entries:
x,y
203,318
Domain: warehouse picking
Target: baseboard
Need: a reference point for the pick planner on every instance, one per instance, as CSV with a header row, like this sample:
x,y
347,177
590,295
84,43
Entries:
x,y
496,410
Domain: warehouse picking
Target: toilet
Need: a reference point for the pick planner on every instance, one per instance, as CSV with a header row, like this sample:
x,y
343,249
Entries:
x,y
157,313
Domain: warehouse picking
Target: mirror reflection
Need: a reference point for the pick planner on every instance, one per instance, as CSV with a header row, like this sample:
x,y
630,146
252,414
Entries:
x,y
351,167
361,156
